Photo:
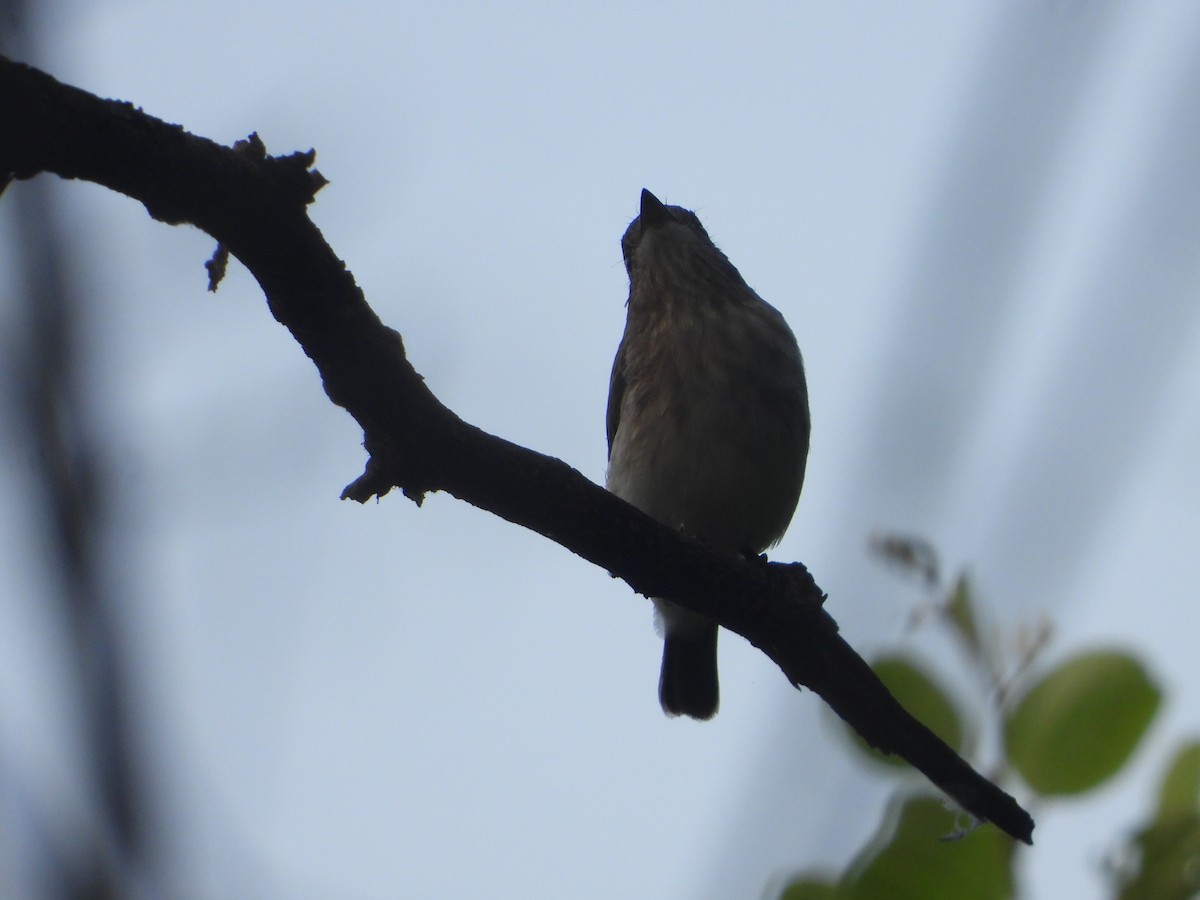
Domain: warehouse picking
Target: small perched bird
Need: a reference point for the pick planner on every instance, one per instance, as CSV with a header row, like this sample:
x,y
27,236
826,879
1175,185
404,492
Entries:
x,y
708,419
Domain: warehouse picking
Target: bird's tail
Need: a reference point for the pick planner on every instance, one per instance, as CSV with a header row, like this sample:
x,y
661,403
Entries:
x,y
688,684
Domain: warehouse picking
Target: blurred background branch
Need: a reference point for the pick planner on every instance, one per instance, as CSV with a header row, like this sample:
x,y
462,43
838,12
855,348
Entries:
x,y
48,389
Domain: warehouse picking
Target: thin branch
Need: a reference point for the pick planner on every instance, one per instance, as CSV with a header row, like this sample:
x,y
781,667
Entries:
x,y
255,207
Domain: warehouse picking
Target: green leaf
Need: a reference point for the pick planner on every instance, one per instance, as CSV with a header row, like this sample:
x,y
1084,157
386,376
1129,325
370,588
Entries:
x,y
960,610
1179,792
920,695
812,887
908,861
1077,726
1164,861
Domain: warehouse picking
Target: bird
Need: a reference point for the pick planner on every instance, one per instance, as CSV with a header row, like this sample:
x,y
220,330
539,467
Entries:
x,y
708,420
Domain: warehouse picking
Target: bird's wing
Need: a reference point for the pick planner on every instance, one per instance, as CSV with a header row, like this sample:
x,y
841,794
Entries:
x,y
616,392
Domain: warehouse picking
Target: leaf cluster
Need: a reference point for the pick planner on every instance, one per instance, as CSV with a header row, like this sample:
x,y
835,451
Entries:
x,y
1058,730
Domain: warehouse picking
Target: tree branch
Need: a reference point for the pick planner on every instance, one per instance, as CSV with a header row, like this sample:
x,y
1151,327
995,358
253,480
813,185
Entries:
x,y
254,205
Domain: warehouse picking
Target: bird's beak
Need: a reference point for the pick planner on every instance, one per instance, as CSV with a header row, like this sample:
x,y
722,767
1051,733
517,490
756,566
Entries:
x,y
653,211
